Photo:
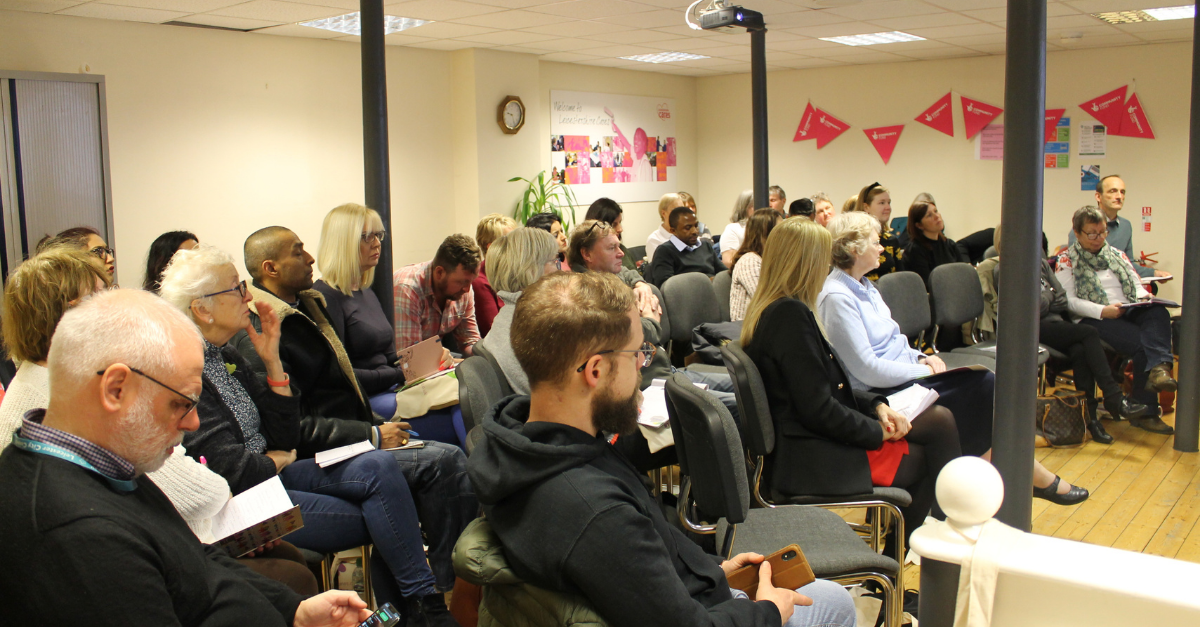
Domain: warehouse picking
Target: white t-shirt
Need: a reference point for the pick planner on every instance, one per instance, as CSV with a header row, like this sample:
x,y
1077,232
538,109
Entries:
x,y
732,238
656,239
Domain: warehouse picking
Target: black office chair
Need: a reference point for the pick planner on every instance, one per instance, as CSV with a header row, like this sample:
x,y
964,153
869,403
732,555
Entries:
x,y
715,489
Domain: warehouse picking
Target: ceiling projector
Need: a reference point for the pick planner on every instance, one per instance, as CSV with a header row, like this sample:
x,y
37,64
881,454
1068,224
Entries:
x,y
718,15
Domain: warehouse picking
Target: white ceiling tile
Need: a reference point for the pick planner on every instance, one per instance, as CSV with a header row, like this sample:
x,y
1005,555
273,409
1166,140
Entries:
x,y
569,44
1071,21
449,44
810,43
568,57
1097,41
881,10
710,62
990,48
349,38
772,56
1100,6
672,45
128,14
1167,35
682,30
905,47
718,52
240,23
699,45
948,52
679,5
1098,30
447,30
507,38
811,62
995,14
871,57
837,30
404,39
516,4
648,19
804,19
962,30
769,8
505,19
691,71
595,9
439,10
971,41
1055,9
965,5
191,6
923,21
1149,27
518,50
610,62
278,11
635,36
577,28
296,30
621,51
37,6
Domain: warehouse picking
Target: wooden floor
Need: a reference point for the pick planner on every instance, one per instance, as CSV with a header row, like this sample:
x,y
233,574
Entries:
x,y
1145,495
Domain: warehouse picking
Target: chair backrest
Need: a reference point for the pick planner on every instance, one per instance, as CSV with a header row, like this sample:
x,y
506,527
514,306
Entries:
x,y
904,294
478,390
722,284
706,434
482,351
956,294
638,253
753,407
691,301
991,252
664,321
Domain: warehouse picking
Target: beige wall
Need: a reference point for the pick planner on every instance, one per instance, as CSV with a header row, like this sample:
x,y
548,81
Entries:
x,y
221,133
967,190
640,218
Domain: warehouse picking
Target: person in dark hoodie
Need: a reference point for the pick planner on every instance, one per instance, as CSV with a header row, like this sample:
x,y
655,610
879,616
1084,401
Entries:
x,y
572,513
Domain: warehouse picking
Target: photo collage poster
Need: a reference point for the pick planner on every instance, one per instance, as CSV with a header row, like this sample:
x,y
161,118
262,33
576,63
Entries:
x,y
622,147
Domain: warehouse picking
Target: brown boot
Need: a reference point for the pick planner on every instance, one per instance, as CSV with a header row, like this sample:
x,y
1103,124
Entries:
x,y
1160,379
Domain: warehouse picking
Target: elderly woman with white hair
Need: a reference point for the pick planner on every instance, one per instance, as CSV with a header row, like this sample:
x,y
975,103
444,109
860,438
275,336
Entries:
x,y
249,431
878,358
516,261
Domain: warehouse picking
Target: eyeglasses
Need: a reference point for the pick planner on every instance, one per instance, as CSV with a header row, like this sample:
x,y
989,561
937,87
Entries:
x,y
1095,236
369,235
102,252
240,288
192,400
648,350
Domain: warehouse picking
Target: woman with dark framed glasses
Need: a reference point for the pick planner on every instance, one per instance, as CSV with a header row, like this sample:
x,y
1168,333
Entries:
x,y
87,239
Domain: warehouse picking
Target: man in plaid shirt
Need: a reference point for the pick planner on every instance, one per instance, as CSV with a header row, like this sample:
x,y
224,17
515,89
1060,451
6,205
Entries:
x,y
434,297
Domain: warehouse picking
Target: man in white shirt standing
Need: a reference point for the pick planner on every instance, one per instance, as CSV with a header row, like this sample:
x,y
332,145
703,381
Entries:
x,y
1103,290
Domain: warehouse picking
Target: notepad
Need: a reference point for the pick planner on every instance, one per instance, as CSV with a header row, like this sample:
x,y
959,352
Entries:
x,y
913,400
1151,301
342,453
255,517
653,412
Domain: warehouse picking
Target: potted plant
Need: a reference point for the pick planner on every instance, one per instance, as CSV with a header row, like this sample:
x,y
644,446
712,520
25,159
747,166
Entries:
x,y
542,196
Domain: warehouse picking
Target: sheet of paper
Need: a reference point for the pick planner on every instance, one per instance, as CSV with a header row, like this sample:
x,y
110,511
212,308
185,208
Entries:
x,y
411,445
913,400
342,453
653,412
251,507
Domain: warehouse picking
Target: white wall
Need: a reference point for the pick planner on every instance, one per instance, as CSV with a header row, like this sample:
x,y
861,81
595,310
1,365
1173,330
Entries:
x,y
967,190
222,132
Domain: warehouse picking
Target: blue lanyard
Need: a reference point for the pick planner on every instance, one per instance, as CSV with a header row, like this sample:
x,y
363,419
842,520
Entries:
x,y
42,448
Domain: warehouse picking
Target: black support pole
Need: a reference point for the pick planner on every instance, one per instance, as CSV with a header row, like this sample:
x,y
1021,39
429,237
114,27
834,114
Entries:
x,y
1021,215
758,110
375,141
1187,408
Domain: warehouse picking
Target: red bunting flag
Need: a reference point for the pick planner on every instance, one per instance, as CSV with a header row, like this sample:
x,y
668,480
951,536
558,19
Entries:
x,y
884,139
977,115
805,130
1052,118
1107,109
940,116
1134,122
826,127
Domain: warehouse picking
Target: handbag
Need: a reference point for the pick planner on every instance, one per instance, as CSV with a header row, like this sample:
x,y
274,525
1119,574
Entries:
x,y
1062,418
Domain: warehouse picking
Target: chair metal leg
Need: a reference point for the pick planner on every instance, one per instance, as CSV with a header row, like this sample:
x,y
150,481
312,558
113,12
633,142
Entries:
x,y
368,592
1042,380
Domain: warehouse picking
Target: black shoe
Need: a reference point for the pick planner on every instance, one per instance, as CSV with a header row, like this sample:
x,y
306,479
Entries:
x,y
427,611
1124,407
1153,424
1050,493
1098,433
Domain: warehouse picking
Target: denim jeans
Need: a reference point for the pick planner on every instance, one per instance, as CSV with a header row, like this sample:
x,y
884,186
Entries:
x,y
1143,334
832,606
720,386
445,499
363,500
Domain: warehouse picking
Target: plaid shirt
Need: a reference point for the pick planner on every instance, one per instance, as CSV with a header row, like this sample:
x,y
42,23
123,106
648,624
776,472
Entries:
x,y
102,459
418,316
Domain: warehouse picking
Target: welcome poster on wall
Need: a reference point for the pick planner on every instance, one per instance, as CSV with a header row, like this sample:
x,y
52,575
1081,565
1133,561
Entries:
x,y
622,147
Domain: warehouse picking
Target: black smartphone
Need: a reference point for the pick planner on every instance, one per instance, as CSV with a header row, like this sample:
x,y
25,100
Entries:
x,y
387,616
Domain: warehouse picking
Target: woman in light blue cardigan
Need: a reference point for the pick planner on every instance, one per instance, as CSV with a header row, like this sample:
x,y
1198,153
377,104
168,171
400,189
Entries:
x,y
878,358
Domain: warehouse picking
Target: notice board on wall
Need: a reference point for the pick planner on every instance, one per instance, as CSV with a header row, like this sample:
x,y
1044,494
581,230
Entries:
x,y
622,147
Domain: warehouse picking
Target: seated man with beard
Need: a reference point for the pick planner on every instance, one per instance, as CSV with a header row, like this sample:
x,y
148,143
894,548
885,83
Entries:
x,y
100,544
572,513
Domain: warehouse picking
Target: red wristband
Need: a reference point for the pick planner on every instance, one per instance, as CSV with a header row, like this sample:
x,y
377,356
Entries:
x,y
287,381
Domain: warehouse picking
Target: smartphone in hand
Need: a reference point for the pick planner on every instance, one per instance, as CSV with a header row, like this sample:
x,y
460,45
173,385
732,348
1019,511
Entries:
x,y
789,569
387,616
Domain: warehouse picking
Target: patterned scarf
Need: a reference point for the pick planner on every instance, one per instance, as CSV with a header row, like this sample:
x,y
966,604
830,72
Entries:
x,y
1084,266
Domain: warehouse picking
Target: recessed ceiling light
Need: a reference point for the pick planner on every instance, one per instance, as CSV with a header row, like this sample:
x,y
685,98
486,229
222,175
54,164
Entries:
x,y
665,57
349,25
1148,15
874,38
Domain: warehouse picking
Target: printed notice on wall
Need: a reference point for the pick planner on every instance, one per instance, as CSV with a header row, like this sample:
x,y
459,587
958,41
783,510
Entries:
x,y
989,143
1093,140
1057,151
1089,177
622,147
